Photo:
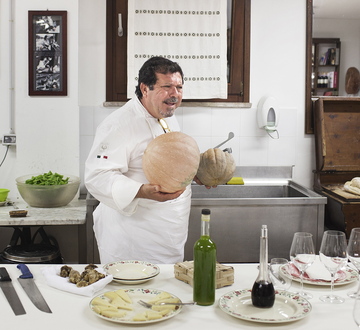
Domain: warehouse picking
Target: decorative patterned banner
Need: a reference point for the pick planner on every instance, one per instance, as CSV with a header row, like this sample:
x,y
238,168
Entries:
x,y
189,32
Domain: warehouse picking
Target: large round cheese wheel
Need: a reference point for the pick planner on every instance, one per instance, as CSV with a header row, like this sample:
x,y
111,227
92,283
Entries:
x,y
171,160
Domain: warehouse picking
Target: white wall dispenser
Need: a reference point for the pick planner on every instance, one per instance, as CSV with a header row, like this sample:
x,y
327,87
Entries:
x,y
268,116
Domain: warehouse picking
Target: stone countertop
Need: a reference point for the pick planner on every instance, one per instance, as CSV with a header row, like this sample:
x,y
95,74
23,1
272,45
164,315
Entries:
x,y
72,214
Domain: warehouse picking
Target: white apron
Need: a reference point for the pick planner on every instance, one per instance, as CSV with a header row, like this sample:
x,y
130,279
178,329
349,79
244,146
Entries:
x,y
127,228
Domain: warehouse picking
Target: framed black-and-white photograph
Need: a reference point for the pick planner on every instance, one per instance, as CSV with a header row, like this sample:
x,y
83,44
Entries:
x,y
48,53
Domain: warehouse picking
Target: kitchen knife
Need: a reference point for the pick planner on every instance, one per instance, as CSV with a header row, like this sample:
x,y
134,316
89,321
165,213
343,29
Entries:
x,y
27,282
10,293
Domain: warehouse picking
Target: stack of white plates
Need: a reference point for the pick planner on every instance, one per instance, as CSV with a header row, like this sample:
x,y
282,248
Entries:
x,y
132,271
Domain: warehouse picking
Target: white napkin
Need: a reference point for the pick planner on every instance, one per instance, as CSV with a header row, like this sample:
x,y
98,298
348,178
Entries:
x,y
317,271
53,279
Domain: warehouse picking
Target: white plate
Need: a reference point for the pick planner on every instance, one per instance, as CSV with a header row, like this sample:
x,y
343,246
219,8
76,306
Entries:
x,y
135,295
2,203
132,271
351,275
288,307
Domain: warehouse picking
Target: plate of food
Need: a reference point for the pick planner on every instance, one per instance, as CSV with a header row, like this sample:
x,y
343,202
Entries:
x,y
121,306
83,281
288,307
132,271
317,274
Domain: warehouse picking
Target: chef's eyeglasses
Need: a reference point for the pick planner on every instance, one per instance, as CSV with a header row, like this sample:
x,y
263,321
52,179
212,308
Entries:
x,y
164,125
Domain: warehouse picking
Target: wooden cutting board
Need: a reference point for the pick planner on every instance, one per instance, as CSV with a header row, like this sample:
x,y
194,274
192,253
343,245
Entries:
x,y
352,81
339,191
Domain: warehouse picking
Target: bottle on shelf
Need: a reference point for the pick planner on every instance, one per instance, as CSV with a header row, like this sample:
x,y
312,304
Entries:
x,y
204,264
326,81
263,293
318,81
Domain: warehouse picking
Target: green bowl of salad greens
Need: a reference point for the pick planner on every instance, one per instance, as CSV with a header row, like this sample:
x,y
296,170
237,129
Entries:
x,y
49,189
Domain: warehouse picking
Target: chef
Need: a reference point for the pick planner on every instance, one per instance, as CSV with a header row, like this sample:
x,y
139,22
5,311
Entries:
x,y
134,220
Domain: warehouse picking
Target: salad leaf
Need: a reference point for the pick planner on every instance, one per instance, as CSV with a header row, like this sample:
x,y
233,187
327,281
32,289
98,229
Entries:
x,y
48,179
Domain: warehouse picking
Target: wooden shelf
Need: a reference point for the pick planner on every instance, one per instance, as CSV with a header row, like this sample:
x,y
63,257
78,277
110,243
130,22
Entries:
x,y
325,66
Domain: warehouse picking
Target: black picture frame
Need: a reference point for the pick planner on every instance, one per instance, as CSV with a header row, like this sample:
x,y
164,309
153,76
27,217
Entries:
x,y
47,53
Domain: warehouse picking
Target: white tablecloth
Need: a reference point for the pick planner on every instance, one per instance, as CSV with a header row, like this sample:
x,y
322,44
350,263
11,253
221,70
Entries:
x,y
72,311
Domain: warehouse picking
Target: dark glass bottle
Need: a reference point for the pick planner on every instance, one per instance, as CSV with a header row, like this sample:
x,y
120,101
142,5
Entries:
x,y
204,264
263,293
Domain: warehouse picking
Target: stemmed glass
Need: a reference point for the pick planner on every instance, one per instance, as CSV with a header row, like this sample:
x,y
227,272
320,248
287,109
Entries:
x,y
280,282
356,310
333,256
302,254
353,253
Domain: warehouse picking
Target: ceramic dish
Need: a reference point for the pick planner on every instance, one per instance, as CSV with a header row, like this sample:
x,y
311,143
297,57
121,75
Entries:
x,y
348,275
288,307
132,271
2,203
136,294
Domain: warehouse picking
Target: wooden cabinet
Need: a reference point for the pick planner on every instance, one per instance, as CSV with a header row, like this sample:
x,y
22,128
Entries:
x,y
337,122
325,66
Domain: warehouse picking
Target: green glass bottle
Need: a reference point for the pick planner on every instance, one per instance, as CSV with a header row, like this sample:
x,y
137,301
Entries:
x,y
204,264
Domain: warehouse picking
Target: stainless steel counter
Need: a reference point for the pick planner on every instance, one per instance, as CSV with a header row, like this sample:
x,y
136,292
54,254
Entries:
x,y
269,196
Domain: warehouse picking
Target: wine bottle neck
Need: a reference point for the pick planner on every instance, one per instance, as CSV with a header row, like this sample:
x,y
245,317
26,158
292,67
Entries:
x,y
205,225
263,257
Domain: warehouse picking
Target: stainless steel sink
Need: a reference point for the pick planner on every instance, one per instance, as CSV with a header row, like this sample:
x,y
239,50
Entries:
x,y
229,192
270,197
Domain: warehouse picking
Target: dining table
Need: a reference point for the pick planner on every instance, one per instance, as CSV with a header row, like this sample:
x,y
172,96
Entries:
x,y
72,311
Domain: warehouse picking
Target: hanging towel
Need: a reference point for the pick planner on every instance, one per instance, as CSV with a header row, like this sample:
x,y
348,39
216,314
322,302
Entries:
x,y
191,33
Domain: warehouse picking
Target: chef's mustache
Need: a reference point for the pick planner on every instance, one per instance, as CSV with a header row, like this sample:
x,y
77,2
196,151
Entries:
x,y
172,100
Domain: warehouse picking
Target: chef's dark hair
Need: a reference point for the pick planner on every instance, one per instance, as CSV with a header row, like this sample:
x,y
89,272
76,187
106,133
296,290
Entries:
x,y
147,73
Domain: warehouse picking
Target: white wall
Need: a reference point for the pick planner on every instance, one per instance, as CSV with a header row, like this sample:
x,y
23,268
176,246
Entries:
x,y
47,128
277,69
51,135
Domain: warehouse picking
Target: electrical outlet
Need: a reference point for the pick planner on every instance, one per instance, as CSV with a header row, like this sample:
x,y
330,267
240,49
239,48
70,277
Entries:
x,y
9,140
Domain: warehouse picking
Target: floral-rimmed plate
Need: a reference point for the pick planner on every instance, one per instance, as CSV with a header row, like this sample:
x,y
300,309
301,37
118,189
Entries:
x,y
132,271
344,276
288,307
135,295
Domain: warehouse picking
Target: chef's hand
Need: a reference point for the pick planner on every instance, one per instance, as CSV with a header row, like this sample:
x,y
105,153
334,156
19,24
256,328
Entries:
x,y
196,179
152,191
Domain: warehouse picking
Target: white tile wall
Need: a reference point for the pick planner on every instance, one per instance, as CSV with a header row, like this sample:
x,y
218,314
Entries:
x,y
251,145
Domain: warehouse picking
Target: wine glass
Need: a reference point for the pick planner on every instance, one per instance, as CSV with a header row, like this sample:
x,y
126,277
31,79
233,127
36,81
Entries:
x,y
302,254
279,281
353,253
356,310
333,256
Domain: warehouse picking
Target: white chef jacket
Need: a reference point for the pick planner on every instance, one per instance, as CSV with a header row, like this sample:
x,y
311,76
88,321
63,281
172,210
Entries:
x,y
129,228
